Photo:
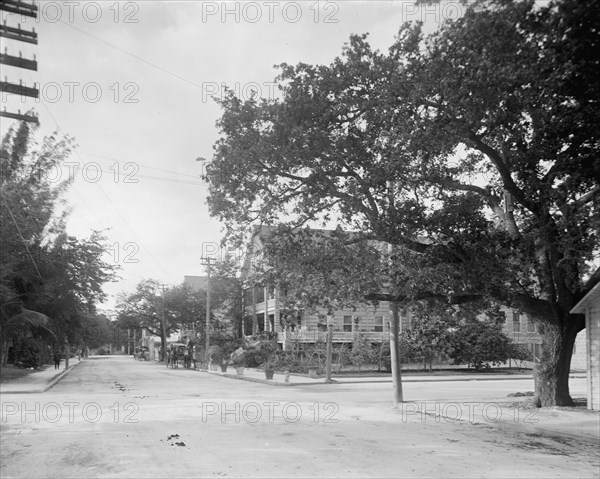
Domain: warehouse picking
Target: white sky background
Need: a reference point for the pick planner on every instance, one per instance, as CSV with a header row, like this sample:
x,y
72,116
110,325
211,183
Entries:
x,y
170,58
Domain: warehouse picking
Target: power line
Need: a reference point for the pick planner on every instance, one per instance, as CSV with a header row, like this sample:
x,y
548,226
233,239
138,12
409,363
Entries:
x,y
147,177
113,205
157,178
133,55
139,164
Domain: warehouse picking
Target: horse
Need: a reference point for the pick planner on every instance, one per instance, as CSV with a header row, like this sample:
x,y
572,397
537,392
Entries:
x,y
174,360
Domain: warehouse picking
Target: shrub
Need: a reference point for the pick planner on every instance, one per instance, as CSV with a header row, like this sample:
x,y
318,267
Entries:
x,y
253,358
28,353
239,360
362,352
481,344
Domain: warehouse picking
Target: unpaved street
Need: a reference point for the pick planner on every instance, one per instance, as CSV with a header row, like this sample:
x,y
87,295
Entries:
x,y
115,417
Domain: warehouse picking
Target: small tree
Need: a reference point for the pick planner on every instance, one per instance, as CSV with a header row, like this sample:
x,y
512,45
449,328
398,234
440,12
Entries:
x,y
316,355
428,335
362,351
480,344
340,356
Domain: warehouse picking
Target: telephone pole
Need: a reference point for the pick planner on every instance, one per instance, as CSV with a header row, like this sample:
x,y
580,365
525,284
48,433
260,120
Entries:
x,y
19,7
164,324
207,262
329,348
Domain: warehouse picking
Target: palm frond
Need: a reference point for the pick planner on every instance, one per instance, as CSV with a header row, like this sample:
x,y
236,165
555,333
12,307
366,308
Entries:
x,y
26,320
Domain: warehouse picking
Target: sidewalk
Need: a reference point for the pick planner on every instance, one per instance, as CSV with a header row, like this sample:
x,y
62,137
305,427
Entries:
x,y
515,414
258,375
519,415
36,381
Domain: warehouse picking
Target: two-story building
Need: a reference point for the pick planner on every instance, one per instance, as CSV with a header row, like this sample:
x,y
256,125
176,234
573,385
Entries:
x,y
265,314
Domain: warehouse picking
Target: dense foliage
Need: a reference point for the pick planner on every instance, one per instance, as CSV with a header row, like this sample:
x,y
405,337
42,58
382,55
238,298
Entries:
x,y
472,151
183,309
50,281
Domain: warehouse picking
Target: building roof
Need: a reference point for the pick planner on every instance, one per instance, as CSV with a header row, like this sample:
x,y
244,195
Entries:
x,y
197,283
587,300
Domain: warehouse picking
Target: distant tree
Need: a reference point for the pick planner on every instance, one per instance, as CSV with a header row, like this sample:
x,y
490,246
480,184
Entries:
x,y
429,335
183,308
149,308
226,297
362,351
96,330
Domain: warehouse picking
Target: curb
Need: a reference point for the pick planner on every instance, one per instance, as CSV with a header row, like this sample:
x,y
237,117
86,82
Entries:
x,y
270,382
341,382
60,376
405,380
49,385
409,379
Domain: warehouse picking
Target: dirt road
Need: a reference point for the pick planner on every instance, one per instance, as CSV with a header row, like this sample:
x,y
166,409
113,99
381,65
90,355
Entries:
x,y
116,417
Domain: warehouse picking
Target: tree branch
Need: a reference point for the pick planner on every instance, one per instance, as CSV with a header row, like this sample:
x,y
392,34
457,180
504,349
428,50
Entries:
x,y
503,170
589,196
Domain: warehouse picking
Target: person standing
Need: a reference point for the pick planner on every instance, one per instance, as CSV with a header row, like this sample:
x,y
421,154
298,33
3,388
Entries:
x,y
57,358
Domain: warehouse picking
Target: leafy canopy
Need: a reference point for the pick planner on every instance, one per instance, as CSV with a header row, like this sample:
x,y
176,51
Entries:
x,y
481,138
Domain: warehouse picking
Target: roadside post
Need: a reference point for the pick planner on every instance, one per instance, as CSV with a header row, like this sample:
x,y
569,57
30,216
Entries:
x,y
329,348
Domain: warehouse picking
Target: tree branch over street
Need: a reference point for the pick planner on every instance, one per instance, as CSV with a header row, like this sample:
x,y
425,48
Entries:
x,y
475,148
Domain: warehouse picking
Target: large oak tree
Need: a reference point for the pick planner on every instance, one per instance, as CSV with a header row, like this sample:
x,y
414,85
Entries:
x,y
475,147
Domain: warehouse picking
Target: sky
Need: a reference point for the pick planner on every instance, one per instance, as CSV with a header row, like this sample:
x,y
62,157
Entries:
x,y
134,83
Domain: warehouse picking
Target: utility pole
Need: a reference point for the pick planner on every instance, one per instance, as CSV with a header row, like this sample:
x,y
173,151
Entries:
x,y
23,9
395,324
395,355
329,348
206,261
164,324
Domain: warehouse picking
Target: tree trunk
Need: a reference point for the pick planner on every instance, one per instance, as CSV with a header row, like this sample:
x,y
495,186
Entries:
x,y
395,356
4,352
163,348
552,374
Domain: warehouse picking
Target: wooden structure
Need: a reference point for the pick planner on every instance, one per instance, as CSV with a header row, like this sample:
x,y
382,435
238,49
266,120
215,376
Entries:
x,y
18,34
590,307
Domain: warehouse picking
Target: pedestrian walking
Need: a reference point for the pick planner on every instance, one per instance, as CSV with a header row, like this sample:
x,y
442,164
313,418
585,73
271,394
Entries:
x,y
56,360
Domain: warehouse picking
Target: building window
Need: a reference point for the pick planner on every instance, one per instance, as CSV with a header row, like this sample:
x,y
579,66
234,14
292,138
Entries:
x,y
272,322
259,293
378,324
248,326
247,296
500,318
322,323
347,324
404,321
530,325
260,322
516,322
